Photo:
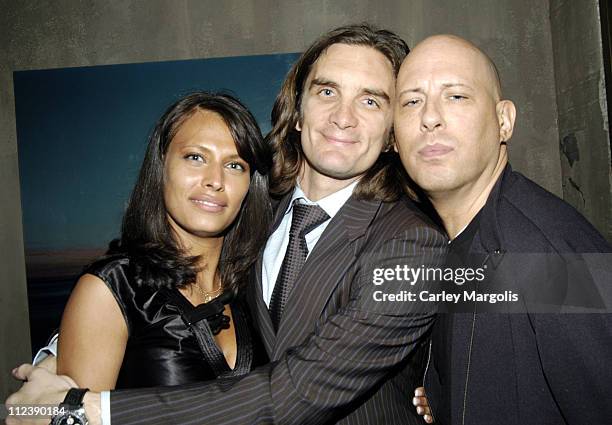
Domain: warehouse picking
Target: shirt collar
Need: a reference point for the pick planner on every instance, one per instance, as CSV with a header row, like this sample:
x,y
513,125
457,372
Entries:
x,y
457,235
331,204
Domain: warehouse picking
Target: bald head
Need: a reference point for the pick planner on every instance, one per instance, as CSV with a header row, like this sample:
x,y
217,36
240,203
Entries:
x,y
451,125
462,53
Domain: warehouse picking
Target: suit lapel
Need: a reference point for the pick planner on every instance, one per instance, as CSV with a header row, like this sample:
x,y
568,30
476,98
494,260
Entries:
x,y
324,269
256,301
259,308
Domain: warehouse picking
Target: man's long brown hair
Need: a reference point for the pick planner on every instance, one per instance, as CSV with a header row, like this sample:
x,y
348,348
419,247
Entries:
x,y
386,179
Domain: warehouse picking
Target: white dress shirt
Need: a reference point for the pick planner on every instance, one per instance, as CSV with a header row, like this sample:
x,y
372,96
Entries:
x,y
275,249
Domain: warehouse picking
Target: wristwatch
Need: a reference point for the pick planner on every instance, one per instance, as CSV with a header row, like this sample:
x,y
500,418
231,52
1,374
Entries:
x,y
71,410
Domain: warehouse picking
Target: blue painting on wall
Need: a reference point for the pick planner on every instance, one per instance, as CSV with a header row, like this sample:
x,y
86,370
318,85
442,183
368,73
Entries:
x,y
81,135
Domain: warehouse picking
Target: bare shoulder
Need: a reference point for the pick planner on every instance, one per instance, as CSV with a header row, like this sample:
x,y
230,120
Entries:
x,y
93,335
91,294
92,300
91,283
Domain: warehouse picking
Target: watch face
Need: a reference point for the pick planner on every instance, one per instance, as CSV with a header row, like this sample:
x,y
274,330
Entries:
x,y
69,418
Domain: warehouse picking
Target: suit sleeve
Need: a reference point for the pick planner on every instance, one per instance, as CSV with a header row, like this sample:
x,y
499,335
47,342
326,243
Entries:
x,y
331,373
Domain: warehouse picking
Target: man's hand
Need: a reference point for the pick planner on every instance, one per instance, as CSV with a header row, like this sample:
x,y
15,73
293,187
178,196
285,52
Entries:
x,y
49,363
422,405
41,387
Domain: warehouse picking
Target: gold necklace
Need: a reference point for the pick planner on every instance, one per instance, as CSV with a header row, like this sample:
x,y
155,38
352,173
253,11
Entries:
x,y
210,295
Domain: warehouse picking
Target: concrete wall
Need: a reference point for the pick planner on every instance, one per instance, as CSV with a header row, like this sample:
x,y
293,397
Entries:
x,y
35,35
584,137
516,34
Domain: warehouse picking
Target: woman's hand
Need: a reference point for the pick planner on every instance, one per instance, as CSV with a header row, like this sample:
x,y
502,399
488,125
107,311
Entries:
x,y
422,405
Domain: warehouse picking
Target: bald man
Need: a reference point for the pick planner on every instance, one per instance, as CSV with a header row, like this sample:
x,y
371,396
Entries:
x,y
452,127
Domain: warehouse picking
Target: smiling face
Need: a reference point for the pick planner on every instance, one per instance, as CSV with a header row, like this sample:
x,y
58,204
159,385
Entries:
x,y
346,112
205,178
449,120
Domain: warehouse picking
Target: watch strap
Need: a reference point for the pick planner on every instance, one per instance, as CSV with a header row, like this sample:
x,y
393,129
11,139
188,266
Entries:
x,y
75,397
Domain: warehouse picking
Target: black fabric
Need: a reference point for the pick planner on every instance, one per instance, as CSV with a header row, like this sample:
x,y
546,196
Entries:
x,y
74,397
459,248
171,341
305,218
524,367
338,356
458,256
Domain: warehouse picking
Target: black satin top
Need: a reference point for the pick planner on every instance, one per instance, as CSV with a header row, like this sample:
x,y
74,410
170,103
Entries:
x,y
170,341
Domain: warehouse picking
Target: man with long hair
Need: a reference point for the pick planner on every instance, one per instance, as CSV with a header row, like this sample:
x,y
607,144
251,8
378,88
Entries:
x,y
340,350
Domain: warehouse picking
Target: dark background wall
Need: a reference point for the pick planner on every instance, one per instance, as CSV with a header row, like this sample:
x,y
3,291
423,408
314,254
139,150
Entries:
x,y
528,40
582,110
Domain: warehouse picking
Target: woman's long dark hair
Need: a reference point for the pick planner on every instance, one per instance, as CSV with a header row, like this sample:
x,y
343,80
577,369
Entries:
x,y
146,236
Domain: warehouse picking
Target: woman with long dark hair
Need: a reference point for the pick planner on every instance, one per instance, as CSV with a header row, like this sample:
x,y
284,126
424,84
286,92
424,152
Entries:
x,y
165,305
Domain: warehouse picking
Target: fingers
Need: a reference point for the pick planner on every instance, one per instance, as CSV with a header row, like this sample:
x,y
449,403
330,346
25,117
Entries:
x,y
25,420
422,405
426,413
41,388
11,420
22,372
419,392
12,399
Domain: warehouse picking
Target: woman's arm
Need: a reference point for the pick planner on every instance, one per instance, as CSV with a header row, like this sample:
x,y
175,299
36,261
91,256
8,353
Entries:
x,y
93,336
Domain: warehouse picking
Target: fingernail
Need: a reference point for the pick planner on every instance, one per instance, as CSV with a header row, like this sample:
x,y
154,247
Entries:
x,y
414,401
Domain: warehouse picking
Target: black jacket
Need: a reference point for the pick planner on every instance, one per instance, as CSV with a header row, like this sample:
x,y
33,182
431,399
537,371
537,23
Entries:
x,y
526,367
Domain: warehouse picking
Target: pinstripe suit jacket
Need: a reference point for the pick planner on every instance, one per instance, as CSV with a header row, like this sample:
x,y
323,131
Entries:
x,y
339,355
